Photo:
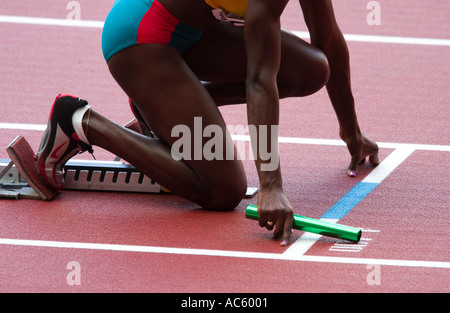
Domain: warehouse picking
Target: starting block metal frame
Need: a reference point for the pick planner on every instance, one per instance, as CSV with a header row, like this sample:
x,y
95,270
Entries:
x,y
113,176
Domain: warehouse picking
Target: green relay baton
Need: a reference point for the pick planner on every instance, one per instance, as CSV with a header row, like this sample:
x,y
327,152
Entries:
x,y
316,226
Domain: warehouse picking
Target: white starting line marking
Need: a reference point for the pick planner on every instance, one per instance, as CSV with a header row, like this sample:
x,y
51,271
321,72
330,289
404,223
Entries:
x,y
385,168
221,253
303,34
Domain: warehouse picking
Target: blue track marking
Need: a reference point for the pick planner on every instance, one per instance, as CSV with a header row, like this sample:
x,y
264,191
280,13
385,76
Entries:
x,y
350,200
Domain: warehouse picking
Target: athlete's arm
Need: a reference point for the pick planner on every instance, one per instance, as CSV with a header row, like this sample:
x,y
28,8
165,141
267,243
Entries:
x,y
326,35
263,47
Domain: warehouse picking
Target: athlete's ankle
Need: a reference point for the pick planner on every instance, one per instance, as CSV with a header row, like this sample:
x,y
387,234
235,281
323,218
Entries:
x,y
80,121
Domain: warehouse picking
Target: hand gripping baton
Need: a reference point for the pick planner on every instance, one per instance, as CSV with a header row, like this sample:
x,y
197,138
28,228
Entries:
x,y
312,225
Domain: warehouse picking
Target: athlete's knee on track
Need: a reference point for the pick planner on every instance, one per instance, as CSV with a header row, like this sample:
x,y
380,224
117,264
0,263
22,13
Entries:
x,y
227,195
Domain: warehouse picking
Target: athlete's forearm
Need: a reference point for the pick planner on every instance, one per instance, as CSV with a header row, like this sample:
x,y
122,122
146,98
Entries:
x,y
263,48
326,35
263,118
339,87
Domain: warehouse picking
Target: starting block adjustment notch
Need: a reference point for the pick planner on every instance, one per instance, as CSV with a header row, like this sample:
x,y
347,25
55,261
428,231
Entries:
x,y
107,176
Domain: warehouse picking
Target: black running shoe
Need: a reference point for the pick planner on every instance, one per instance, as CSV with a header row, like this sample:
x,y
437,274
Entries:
x,y
60,141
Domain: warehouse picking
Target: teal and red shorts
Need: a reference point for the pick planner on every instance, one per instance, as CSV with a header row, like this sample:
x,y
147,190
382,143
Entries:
x,y
133,22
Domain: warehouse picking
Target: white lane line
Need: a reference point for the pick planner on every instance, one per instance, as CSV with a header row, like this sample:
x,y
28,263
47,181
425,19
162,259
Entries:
x,y
303,34
387,39
301,245
220,253
296,140
20,126
50,21
337,142
385,168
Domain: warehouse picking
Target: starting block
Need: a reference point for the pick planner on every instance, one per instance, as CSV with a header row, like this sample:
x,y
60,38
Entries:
x,y
19,178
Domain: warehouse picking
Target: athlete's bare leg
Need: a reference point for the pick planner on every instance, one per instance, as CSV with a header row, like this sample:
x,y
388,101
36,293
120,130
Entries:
x,y
168,94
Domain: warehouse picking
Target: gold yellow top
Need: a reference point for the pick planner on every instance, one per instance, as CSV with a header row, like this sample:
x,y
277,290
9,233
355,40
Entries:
x,y
237,7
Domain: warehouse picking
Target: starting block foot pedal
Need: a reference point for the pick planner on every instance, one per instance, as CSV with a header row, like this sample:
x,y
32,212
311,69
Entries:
x,y
22,156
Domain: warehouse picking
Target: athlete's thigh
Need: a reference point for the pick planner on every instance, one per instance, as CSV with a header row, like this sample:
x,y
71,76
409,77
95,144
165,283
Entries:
x,y
300,61
220,56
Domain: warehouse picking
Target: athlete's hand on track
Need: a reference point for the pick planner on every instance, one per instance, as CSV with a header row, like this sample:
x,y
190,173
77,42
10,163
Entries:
x,y
359,149
275,211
